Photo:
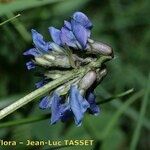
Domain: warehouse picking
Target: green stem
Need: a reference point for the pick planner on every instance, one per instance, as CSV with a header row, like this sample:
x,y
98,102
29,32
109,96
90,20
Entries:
x,y
52,85
37,93
43,117
19,27
116,96
24,121
8,20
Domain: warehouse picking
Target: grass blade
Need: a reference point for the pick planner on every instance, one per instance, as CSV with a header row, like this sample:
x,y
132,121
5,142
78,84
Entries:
x,y
131,113
43,117
120,111
116,96
24,121
20,28
137,130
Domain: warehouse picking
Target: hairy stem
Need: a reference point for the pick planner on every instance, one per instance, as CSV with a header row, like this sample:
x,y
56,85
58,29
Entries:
x,y
52,85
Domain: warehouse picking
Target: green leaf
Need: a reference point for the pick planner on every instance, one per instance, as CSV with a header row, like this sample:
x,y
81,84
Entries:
x,y
116,96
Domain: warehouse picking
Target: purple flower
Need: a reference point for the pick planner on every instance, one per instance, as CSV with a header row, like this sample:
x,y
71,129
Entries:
x,y
39,42
30,65
45,102
74,33
74,107
33,52
55,35
54,102
56,108
41,83
41,46
80,33
67,25
77,104
94,109
82,19
67,37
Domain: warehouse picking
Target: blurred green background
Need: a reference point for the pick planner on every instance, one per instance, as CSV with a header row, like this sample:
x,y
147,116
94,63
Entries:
x,y
125,25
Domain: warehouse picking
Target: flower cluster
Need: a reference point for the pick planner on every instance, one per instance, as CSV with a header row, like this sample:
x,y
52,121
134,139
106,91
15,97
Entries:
x,y
74,98
75,105
74,33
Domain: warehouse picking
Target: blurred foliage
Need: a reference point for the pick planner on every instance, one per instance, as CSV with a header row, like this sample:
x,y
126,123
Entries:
x,y
125,25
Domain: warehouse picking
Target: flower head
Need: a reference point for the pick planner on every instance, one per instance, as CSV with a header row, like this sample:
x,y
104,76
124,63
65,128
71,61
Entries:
x,y
58,58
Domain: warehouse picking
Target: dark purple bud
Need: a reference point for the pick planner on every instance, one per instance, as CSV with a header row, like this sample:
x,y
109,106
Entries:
x,y
94,109
45,102
30,65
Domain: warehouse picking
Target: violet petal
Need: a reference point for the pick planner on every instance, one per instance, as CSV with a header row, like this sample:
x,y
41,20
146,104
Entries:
x,y
82,19
55,34
80,33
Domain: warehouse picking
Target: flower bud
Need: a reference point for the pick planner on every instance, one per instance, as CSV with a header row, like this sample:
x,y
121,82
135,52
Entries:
x,y
87,80
99,47
56,48
42,62
51,60
63,89
100,75
54,74
82,61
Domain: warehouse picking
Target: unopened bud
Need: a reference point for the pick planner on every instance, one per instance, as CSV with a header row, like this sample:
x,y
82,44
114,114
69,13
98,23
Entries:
x,y
51,60
42,62
56,48
87,80
100,75
63,89
81,60
54,74
99,48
